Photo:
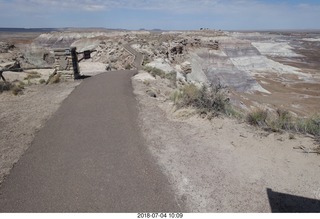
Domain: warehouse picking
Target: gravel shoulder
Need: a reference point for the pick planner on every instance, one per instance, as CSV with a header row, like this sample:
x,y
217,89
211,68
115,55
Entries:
x,y
223,165
23,115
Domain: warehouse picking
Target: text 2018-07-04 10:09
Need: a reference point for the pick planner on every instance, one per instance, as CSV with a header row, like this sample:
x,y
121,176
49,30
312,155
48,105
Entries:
x,y
160,215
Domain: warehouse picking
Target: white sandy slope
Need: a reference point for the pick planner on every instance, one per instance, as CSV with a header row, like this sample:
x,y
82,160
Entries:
x,y
276,49
311,39
261,64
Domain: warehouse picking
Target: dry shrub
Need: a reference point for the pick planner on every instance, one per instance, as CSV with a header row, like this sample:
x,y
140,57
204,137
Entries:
x,y
16,90
54,78
5,86
210,100
309,126
15,87
42,81
258,117
285,121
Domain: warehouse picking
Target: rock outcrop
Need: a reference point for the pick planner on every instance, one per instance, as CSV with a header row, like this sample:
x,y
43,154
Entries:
x,y
5,47
186,67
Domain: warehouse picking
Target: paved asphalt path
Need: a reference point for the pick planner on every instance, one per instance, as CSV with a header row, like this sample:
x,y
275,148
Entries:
x,y
90,157
138,57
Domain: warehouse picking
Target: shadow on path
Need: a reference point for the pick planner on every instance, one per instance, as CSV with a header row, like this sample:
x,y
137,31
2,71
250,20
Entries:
x,y
285,203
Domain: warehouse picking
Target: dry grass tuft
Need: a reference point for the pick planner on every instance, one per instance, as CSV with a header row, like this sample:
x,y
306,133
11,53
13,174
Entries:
x,y
15,87
54,78
284,121
257,117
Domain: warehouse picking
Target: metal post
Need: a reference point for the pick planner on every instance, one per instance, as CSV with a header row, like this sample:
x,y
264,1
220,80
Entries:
x,y
75,63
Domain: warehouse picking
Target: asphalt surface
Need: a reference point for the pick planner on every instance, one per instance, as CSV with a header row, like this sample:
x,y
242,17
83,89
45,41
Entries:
x,y
90,157
138,57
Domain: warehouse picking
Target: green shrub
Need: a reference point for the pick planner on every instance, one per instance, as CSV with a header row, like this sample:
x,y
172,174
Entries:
x,y
207,99
257,117
284,120
232,112
176,96
155,71
186,95
145,61
172,77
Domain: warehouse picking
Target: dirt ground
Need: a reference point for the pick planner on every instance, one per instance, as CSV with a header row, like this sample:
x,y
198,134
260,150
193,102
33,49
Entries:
x,y
223,165
23,115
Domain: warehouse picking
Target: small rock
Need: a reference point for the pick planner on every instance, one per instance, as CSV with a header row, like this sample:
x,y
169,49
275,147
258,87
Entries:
x,y
203,115
280,139
108,67
112,52
151,93
291,136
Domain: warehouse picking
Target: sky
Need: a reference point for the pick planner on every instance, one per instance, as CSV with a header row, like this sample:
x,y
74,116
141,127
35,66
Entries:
x,y
162,14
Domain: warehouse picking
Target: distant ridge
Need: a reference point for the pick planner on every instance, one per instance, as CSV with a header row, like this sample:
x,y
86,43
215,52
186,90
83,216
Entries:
x,y
27,29
41,30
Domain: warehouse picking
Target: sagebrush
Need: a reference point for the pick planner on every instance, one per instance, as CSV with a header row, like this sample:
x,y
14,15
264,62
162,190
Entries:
x,y
209,99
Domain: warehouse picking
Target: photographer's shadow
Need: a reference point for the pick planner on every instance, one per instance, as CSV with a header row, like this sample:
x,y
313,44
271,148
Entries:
x,y
281,202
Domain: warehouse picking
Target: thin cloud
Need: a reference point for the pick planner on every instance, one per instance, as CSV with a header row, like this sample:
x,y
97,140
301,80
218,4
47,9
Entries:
x,y
255,14
178,6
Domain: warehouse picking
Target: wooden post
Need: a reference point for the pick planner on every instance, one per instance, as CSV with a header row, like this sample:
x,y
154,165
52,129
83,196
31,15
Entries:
x,y
2,76
75,63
